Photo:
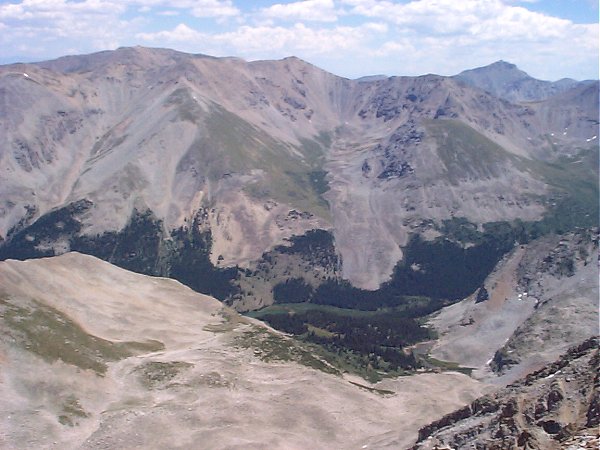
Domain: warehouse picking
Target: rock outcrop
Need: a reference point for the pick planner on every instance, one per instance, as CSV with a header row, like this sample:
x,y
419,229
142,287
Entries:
x,y
555,407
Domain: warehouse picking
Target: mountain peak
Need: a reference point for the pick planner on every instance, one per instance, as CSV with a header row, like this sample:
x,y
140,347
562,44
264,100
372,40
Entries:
x,y
506,80
501,64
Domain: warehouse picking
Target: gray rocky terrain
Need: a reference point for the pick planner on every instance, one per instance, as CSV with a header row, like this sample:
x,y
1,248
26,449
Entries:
x,y
556,407
542,299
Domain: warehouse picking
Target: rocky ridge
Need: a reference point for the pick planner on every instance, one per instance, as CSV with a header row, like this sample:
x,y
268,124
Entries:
x,y
555,407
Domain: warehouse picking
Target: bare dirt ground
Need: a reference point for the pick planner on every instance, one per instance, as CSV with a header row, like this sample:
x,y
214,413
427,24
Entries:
x,y
92,356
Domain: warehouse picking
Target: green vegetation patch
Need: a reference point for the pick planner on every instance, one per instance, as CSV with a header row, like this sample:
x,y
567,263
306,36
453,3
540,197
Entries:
x,y
187,108
292,290
51,335
378,338
272,347
292,174
301,308
466,153
574,199
231,320
383,392
432,363
156,374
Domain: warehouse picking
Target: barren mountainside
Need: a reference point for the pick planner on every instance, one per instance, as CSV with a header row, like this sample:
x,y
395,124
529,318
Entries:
x,y
95,357
398,247
137,155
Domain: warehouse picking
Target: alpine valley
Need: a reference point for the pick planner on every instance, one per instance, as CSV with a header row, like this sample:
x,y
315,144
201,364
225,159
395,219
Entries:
x,y
412,243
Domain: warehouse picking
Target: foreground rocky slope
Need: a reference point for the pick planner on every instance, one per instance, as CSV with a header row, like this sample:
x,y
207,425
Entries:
x,y
555,407
170,164
93,356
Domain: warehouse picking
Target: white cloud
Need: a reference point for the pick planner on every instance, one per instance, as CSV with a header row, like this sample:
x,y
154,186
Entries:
x,y
212,8
349,37
309,10
449,33
47,22
181,33
168,12
197,8
273,41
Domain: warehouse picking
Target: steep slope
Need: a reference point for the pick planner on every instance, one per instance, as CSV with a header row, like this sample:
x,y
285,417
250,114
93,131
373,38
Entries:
x,y
139,154
555,407
93,356
506,81
540,300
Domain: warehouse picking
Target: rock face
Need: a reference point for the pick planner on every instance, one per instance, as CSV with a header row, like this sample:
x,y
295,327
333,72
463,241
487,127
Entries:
x,y
561,274
93,356
137,155
543,298
555,407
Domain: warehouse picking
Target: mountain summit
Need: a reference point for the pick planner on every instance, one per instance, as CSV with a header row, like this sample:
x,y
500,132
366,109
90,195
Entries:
x,y
505,80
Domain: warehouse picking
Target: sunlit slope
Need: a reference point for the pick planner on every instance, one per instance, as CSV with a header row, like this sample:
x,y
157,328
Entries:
x,y
95,356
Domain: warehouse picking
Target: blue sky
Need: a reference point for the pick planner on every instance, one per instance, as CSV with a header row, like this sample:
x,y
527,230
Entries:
x,y
549,39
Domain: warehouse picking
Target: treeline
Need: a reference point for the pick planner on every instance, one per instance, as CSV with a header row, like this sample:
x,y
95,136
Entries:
x,y
140,247
293,290
379,338
431,275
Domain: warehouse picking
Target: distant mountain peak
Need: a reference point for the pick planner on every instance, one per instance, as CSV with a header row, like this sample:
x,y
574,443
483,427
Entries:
x,y
502,64
499,66
505,80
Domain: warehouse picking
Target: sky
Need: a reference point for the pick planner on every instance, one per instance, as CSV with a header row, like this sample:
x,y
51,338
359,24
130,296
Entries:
x,y
549,39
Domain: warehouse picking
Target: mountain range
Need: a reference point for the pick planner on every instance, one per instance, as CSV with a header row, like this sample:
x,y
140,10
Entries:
x,y
407,244
159,143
